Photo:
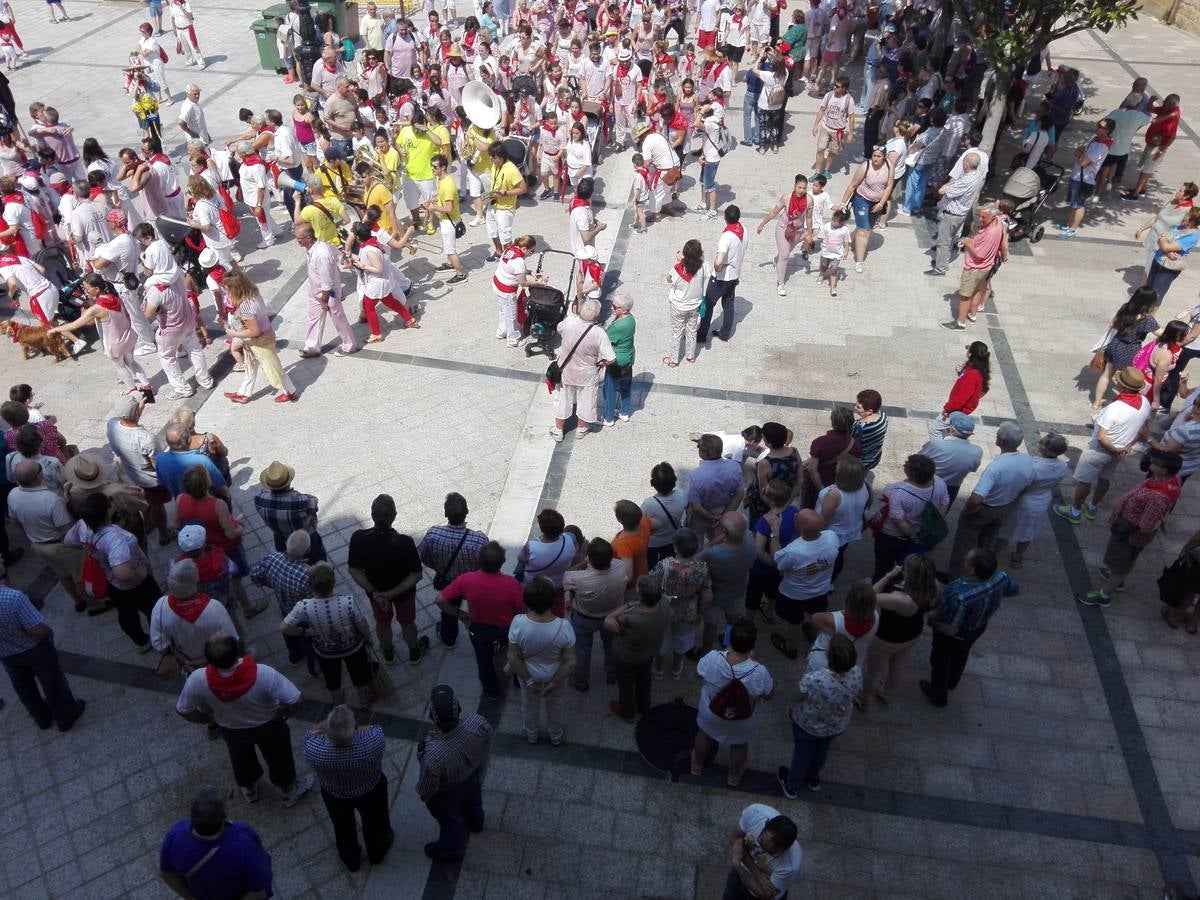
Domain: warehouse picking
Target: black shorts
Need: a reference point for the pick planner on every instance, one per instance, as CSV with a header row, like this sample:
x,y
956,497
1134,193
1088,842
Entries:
x,y
1118,161
793,611
734,53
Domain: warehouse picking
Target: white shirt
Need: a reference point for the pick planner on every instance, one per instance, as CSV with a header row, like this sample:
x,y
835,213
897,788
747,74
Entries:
x,y
1121,421
709,10
41,511
658,153
206,213
287,148
169,630
181,15
122,252
32,281
709,142
822,207
508,270
540,645
192,115
734,250
254,179
262,703
88,224
796,557
784,868
168,178
582,219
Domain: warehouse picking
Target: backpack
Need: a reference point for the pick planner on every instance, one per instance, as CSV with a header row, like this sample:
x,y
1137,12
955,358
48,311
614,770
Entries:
x,y
230,224
95,585
932,528
778,93
732,702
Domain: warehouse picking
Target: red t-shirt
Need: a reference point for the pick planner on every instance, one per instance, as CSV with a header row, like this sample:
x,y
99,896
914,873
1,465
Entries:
x,y
966,393
492,598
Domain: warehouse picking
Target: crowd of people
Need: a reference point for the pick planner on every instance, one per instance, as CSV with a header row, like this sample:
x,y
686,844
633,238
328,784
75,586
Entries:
x,y
693,577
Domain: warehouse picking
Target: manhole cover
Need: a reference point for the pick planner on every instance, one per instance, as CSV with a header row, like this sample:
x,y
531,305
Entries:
x,y
665,736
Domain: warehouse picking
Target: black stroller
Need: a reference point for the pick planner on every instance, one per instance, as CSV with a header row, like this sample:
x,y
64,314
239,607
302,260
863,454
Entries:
x,y
69,280
545,307
1029,189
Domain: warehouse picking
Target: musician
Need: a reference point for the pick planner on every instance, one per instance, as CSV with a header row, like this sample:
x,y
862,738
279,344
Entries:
x,y
323,211
479,167
507,185
386,157
445,206
418,145
376,193
511,275
335,173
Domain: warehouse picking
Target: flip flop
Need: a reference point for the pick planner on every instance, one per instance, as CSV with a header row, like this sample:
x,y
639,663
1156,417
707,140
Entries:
x,y
670,363
780,643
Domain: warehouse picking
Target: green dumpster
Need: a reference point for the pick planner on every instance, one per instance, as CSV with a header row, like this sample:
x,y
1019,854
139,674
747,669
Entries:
x,y
264,37
278,10
345,16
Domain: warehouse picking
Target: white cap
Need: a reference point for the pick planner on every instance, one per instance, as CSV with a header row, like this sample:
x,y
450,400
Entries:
x,y
192,538
28,182
624,54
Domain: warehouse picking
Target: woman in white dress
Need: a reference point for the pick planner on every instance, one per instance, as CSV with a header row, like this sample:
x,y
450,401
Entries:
x,y
1024,525
578,154
718,668
108,314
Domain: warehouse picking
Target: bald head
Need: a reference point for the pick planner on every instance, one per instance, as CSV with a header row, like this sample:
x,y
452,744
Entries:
x,y
971,162
734,525
27,473
810,523
178,437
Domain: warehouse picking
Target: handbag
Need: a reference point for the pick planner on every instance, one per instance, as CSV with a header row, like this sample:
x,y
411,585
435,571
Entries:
x,y
1177,264
382,685
440,580
460,229
672,175
554,370
168,667
95,585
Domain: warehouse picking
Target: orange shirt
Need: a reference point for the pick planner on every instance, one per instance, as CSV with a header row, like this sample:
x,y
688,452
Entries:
x,y
633,548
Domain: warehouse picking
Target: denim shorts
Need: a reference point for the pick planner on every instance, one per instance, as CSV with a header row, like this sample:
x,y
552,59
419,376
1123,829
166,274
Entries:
x,y
863,217
1078,192
708,176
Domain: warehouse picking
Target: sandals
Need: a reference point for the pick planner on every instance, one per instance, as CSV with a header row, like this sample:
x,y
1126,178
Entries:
x,y
780,643
669,363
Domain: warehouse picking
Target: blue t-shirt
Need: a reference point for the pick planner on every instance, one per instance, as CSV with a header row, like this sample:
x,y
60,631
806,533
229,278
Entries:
x,y
240,866
787,534
170,468
1187,243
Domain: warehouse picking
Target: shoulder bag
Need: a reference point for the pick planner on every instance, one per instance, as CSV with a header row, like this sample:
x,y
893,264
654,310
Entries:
x,y
520,572
554,370
440,580
670,518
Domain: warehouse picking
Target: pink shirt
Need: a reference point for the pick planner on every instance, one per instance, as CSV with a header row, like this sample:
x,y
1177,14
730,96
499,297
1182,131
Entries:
x,y
323,271
987,245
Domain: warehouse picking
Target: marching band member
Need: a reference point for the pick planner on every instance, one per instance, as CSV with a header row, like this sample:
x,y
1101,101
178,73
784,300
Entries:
x,y
507,185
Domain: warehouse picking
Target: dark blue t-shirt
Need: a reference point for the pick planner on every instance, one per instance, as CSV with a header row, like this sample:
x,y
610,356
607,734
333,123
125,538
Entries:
x,y
787,534
239,866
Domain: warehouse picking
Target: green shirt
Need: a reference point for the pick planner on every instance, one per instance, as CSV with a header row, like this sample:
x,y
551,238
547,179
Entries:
x,y
643,635
797,39
620,333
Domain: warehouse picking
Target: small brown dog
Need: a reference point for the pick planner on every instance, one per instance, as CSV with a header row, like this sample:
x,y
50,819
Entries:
x,y
35,339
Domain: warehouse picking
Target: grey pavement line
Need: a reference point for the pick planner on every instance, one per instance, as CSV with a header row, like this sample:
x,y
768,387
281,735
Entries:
x,y
974,813
644,387
1170,846
1134,73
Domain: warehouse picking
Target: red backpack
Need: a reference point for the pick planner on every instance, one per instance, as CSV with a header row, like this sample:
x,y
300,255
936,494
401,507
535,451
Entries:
x,y
732,702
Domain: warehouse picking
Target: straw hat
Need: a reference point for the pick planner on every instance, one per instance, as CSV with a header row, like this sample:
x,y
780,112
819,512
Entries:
x,y
277,476
1130,379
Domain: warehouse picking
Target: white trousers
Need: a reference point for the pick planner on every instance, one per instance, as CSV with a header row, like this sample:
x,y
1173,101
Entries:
x,y
169,343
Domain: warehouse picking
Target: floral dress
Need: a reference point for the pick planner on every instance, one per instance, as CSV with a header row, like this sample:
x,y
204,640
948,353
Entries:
x,y
683,580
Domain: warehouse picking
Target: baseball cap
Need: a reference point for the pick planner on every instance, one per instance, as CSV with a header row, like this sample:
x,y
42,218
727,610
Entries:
x,y
192,538
962,423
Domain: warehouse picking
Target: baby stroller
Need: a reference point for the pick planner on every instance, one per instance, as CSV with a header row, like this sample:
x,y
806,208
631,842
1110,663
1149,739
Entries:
x,y
545,307
1028,189
69,280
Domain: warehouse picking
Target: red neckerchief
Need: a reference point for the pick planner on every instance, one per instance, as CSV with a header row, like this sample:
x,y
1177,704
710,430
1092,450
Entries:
x,y
545,126
664,60
111,302
737,18
721,67
1133,399
469,38
1106,141
228,688
209,566
252,159
9,259
679,123
682,272
622,69
15,197
95,192
650,179
590,269
578,117
159,157
856,628
738,231
329,68
577,202
190,609
372,241
217,273
796,205
513,252
1183,204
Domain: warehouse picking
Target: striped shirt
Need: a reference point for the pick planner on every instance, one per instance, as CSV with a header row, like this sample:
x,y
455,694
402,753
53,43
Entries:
x,y
870,435
968,604
17,616
439,543
287,577
351,771
449,758
336,623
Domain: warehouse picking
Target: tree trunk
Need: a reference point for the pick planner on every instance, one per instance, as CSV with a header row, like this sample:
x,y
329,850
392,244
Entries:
x,y
990,140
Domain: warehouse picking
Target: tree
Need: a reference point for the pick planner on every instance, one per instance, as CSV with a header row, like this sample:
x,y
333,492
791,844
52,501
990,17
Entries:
x,y
1008,33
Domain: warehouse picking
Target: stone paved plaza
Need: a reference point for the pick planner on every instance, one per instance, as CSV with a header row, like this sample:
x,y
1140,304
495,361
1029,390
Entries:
x,y
1066,765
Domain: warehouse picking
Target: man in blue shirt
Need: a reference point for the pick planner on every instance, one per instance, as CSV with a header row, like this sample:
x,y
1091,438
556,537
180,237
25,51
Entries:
x,y
207,857
170,466
966,607
28,654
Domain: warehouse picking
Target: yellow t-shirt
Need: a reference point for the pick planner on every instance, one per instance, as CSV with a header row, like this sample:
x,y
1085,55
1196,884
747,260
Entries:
x,y
478,138
335,176
380,196
506,177
420,148
447,191
322,227
390,160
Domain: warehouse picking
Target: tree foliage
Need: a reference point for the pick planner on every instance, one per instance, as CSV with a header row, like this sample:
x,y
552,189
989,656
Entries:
x,y
1009,32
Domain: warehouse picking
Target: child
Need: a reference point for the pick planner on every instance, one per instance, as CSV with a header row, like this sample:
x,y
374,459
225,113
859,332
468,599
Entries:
x,y
23,393
835,246
214,280
549,148
640,194
8,50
